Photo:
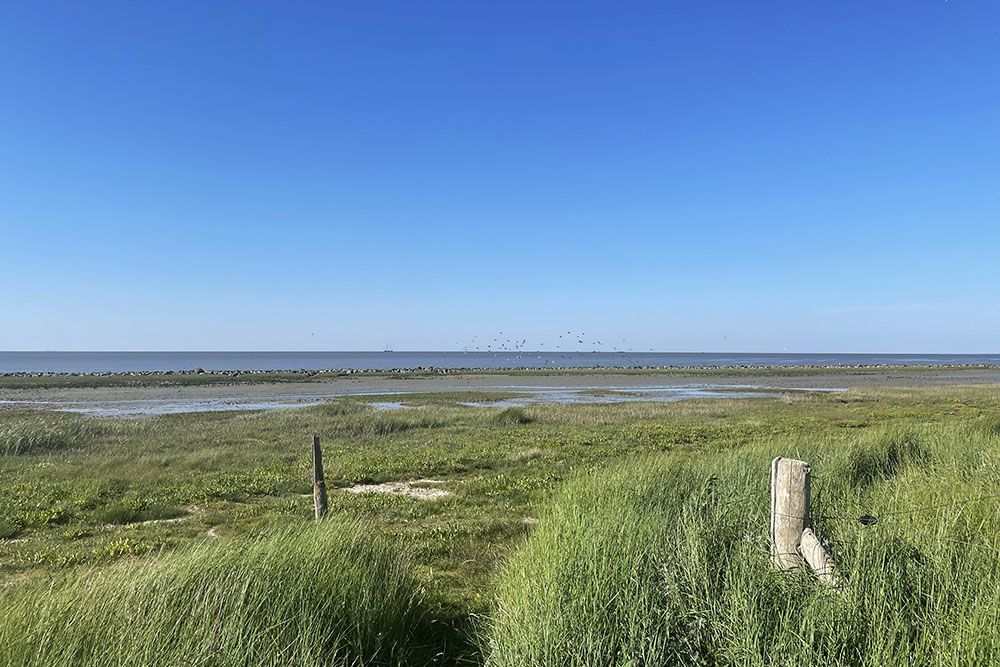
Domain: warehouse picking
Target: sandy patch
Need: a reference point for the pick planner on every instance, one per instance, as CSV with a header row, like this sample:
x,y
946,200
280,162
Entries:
x,y
410,489
389,405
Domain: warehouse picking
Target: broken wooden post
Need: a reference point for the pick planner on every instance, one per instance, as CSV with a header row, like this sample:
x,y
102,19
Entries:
x,y
791,534
319,480
789,510
817,557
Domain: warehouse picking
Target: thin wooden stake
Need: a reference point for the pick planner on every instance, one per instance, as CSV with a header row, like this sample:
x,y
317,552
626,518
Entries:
x,y
319,480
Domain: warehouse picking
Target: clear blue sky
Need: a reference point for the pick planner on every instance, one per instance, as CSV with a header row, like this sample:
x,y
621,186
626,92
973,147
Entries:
x,y
689,176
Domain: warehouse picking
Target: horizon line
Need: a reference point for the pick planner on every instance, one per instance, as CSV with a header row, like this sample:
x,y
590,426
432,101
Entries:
x,y
481,351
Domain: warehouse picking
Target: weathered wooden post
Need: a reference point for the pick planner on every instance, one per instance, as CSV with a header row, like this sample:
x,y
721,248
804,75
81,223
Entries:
x,y
791,534
319,480
817,557
789,510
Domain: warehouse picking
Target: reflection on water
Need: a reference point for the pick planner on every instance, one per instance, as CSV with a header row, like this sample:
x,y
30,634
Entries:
x,y
604,395
665,394
156,408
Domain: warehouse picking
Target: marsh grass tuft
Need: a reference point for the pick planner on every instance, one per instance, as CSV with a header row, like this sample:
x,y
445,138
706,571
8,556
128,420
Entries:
x,y
308,595
9,529
49,432
133,512
37,436
511,417
886,456
382,425
527,455
991,425
348,418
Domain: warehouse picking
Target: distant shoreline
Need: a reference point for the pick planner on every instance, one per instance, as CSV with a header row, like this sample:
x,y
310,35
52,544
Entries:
x,y
198,377
466,370
172,364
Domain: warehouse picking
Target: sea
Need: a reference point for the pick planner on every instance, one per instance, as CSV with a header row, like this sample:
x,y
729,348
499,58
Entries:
x,y
125,362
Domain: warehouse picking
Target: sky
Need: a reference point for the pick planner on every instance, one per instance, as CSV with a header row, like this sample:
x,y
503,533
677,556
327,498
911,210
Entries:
x,y
687,176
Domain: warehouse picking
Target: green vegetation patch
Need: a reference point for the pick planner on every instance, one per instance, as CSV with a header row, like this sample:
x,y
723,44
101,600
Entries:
x,y
512,417
665,561
37,435
660,509
304,595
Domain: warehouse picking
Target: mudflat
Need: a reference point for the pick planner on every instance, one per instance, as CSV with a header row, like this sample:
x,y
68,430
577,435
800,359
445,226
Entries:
x,y
322,386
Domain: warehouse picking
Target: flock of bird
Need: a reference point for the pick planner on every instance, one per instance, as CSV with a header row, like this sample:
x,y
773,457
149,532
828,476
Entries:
x,y
564,345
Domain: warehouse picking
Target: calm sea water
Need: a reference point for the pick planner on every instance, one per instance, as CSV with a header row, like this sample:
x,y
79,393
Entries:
x,y
96,362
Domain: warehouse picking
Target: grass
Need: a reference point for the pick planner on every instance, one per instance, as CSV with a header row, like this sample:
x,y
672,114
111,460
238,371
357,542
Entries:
x,y
302,595
667,562
512,561
511,417
33,435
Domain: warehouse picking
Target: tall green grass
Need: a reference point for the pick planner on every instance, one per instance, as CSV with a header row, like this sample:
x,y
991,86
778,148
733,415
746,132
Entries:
x,y
319,595
42,433
39,435
665,561
511,417
358,420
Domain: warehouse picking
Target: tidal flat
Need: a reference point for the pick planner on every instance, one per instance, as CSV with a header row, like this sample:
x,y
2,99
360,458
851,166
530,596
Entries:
x,y
160,394
489,518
